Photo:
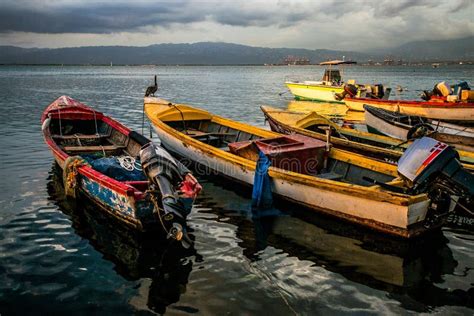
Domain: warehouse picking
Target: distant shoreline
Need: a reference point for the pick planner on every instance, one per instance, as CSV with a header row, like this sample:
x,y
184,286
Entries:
x,y
446,63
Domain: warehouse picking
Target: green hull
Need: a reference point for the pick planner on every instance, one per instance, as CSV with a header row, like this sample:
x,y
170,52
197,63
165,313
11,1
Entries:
x,y
298,98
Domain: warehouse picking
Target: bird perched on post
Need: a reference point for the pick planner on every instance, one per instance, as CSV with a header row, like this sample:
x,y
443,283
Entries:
x,y
151,89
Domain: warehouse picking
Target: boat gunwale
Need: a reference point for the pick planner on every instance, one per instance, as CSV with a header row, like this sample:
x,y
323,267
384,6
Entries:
x,y
466,157
350,143
314,86
340,187
413,103
86,170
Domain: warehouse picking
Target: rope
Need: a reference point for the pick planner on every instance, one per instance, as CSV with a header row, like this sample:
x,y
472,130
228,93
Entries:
x,y
60,126
70,173
95,122
78,139
158,210
129,163
143,117
400,144
463,207
182,118
437,126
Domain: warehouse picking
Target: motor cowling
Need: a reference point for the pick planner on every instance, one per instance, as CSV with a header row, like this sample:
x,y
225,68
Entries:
x,y
432,167
174,188
350,89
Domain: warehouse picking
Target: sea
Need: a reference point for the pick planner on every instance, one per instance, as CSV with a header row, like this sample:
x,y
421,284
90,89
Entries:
x,y
62,256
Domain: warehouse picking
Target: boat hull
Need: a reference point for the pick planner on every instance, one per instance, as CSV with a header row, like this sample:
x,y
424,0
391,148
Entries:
x,y
120,204
384,128
375,152
461,139
453,129
441,111
119,199
378,146
319,93
386,217
397,217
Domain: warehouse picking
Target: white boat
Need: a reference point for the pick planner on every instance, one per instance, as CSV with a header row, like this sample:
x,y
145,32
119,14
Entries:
x,y
404,127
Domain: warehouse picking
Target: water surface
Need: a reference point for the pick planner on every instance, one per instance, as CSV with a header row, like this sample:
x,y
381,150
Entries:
x,y
60,256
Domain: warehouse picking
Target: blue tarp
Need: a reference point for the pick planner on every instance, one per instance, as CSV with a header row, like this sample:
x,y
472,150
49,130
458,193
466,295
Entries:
x,y
262,191
112,168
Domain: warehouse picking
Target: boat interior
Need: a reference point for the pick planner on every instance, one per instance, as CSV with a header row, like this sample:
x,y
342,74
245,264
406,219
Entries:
x,y
296,149
396,118
313,122
462,143
354,136
95,140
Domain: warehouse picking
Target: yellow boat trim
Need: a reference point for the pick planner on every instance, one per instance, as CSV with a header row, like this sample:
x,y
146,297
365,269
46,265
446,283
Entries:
x,y
154,111
185,113
314,86
299,121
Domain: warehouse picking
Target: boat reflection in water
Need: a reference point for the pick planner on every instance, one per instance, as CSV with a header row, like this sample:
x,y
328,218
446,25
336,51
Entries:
x,y
407,270
164,265
329,110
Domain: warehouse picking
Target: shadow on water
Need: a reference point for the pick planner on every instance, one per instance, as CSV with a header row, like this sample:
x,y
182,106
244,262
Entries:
x,y
408,271
135,255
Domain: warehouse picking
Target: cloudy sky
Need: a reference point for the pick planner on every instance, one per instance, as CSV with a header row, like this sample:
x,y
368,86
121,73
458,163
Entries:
x,y
332,24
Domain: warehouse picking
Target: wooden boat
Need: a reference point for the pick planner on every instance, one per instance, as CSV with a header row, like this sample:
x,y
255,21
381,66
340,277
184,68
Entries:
x,y
446,111
79,137
328,89
337,186
135,255
402,127
314,125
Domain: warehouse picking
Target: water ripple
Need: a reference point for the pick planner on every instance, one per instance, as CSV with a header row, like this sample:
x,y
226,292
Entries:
x,y
59,257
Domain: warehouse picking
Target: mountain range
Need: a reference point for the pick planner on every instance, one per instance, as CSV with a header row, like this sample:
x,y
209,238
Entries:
x,y
211,53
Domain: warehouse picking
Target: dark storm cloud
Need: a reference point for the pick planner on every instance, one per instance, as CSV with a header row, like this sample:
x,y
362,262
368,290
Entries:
x,y
79,17
106,16
391,8
278,14
94,18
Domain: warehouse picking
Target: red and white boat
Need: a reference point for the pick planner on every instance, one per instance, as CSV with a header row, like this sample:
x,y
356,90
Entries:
x,y
438,110
81,138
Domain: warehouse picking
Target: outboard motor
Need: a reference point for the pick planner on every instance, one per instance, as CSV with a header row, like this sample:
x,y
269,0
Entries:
x,y
432,167
173,190
349,89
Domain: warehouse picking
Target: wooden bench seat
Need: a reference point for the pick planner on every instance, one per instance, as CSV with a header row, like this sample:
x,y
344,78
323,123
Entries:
x,y
92,148
80,136
199,134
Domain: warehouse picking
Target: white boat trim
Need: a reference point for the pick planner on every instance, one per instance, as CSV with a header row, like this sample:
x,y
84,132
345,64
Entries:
x,y
384,127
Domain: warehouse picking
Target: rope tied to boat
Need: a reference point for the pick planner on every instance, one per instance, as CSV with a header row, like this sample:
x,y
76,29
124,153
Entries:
x,y
175,232
129,163
78,139
70,173
182,118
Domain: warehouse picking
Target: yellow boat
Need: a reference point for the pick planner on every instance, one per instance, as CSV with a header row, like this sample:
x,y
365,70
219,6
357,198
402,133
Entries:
x,y
373,145
331,88
340,189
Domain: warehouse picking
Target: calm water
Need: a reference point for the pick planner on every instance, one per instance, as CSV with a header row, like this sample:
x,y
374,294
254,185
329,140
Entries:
x,y
59,256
